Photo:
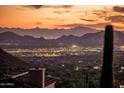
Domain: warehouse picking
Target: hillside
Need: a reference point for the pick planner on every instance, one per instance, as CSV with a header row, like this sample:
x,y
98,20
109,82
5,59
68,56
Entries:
x,y
10,64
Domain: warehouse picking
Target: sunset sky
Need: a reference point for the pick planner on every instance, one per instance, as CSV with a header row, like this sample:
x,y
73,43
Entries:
x,y
61,17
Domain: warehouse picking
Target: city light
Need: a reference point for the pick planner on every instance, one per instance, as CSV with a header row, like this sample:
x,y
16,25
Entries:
x,y
74,46
52,52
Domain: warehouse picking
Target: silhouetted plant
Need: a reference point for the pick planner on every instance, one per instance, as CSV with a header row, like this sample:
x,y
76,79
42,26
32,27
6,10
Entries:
x,y
86,78
106,76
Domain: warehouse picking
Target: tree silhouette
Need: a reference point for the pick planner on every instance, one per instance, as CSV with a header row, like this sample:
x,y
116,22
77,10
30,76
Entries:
x,y
106,76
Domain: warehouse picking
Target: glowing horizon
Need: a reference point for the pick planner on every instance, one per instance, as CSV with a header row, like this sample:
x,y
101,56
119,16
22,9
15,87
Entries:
x,y
61,17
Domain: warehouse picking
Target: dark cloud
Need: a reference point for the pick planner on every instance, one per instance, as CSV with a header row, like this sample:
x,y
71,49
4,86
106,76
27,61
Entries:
x,y
116,18
34,6
70,25
62,6
67,6
56,18
38,23
48,18
48,6
107,15
88,20
118,9
102,13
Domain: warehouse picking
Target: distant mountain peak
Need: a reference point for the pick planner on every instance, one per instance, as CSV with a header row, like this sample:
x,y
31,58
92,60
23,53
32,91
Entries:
x,y
50,33
88,39
7,33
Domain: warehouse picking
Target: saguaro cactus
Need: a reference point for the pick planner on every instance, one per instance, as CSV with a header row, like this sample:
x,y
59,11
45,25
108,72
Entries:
x,y
106,76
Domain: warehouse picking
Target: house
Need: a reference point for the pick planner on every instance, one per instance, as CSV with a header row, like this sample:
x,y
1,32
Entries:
x,y
35,78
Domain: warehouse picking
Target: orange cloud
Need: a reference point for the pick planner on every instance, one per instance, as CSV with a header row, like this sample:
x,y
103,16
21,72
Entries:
x,y
61,16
